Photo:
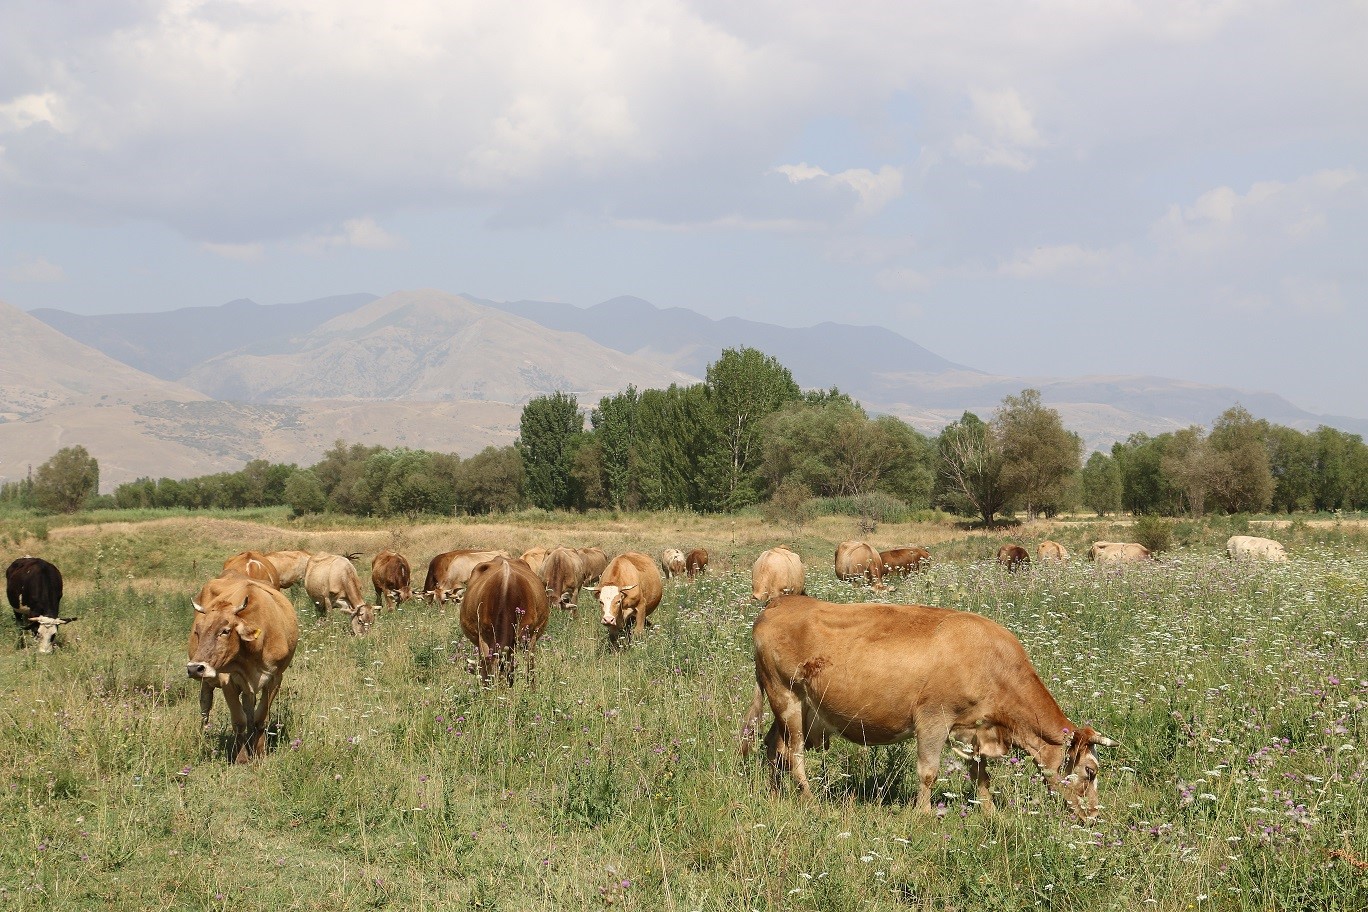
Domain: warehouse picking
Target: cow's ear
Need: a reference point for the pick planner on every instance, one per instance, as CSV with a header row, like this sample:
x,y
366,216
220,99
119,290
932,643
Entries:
x,y
198,607
248,634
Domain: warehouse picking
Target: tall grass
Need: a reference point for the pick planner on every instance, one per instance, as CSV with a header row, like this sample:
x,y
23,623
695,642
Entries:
x,y
395,781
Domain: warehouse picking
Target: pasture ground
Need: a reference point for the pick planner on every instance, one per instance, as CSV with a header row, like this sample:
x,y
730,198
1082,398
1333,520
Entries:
x,y
396,782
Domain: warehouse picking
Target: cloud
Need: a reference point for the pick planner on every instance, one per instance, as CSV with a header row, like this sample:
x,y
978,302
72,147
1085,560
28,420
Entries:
x,y
243,253
1271,214
35,270
28,110
361,233
874,189
902,279
1004,132
1061,261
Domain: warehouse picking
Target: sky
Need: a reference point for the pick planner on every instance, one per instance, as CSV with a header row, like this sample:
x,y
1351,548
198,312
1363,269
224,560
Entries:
x,y
1038,189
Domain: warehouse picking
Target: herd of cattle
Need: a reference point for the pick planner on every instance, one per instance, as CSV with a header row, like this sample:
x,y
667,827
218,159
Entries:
x,y
878,674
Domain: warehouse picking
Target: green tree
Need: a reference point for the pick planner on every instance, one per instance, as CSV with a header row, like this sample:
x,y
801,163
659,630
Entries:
x,y
969,468
1100,484
1187,464
1292,461
1241,478
65,482
615,430
1335,467
1145,488
1039,456
304,493
491,481
744,386
547,436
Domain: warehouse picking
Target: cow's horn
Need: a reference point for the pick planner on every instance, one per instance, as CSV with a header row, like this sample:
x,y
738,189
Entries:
x,y
198,607
239,609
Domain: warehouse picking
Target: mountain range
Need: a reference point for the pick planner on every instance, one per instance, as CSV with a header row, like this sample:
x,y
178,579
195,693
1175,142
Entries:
x,y
205,389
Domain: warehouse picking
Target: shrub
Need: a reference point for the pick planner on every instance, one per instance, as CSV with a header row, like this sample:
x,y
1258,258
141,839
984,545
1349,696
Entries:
x,y
1154,533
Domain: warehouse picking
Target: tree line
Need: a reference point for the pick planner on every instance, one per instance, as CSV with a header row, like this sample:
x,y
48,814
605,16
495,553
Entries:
x,y
749,435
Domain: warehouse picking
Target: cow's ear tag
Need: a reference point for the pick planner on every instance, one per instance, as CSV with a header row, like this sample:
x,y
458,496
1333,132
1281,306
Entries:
x,y
249,635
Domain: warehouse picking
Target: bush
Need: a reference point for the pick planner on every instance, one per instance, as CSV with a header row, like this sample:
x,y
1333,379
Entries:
x,y
876,507
790,503
1154,533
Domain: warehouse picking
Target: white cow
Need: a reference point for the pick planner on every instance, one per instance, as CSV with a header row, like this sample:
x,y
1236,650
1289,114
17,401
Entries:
x,y
1251,547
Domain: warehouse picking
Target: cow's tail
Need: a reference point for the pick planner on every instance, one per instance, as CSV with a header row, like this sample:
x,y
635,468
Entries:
x,y
750,722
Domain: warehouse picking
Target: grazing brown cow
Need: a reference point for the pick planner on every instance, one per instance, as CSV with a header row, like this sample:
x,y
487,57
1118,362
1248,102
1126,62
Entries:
x,y
253,565
1013,557
289,566
629,590
1052,552
696,562
776,572
331,581
392,579
902,561
504,607
672,562
1118,553
562,573
594,561
855,559
447,573
879,674
242,641
34,589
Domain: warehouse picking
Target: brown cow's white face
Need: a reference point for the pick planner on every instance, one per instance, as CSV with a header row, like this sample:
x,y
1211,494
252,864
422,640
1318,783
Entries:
x,y
617,614
1078,784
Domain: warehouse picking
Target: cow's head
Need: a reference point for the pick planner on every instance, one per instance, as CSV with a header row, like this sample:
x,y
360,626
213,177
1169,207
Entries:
x,y
619,609
362,619
45,631
402,594
1077,782
219,633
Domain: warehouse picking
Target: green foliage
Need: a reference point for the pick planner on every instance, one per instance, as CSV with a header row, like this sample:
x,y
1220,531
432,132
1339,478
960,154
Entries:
x,y
304,493
1039,456
1241,476
547,435
1154,533
1100,484
491,481
790,504
65,482
744,386
969,469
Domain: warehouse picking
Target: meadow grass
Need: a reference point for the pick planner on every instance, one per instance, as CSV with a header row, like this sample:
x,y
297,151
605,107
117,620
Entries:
x,y
395,781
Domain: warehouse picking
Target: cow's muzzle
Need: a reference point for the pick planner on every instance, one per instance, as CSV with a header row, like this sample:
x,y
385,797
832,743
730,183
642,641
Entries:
x,y
199,670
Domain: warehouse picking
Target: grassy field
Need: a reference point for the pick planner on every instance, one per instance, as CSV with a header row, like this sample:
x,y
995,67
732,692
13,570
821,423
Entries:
x,y
1236,693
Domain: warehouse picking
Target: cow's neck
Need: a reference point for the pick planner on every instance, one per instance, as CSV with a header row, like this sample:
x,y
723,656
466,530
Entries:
x,y
1046,739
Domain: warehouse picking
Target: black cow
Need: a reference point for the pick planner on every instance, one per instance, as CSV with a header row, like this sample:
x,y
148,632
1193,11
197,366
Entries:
x,y
34,589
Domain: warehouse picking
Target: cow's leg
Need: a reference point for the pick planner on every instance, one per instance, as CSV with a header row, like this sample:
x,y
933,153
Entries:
x,y
206,703
489,657
788,708
261,715
237,749
254,734
931,735
978,772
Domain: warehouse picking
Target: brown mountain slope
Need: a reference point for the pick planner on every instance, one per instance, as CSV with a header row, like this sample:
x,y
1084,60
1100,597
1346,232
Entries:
x,y
42,368
429,346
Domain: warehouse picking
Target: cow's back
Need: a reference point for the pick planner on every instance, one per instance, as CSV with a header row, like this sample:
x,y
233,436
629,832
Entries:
x,y
562,571
777,571
502,595
594,561
856,558
33,587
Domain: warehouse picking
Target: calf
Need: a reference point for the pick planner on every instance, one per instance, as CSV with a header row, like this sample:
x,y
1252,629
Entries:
x,y
561,572
902,561
672,562
855,559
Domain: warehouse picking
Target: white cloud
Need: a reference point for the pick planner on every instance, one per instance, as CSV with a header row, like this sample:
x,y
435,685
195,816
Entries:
x,y
1004,132
243,253
874,189
27,110
1061,261
35,270
362,233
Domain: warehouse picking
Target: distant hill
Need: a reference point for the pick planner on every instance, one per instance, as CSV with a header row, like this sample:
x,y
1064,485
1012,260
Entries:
x,y
170,343
425,345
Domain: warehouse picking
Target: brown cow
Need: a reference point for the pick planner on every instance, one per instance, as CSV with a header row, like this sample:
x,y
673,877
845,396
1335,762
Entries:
x,y
562,573
855,559
504,607
535,557
242,641
672,562
253,565
776,572
629,590
331,581
1013,557
594,561
447,573
696,562
1052,552
392,579
289,566
902,561
1118,553
885,673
